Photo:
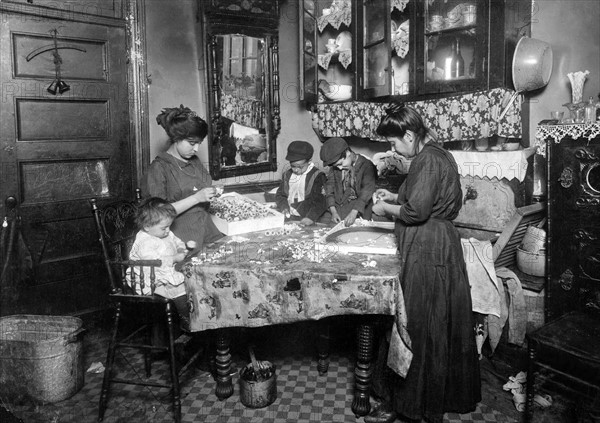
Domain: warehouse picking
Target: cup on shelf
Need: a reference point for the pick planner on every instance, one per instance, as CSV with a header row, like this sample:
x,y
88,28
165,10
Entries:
x,y
481,144
557,116
469,14
436,22
331,45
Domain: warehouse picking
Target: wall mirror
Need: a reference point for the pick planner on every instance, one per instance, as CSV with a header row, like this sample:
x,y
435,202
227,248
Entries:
x,y
243,106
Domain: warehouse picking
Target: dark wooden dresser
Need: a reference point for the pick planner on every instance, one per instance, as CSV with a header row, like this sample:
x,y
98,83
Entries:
x,y
573,160
567,347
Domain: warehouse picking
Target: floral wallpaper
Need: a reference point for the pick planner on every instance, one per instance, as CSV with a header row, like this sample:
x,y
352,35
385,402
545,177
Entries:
x,y
464,117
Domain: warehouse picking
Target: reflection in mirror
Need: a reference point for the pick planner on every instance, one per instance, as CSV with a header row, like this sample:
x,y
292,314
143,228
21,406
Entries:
x,y
243,137
244,109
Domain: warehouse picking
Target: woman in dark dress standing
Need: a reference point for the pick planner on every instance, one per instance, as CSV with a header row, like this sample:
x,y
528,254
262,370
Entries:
x,y
444,373
179,177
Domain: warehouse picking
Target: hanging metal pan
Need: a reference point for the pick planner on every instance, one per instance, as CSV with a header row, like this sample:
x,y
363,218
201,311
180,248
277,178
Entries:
x,y
531,67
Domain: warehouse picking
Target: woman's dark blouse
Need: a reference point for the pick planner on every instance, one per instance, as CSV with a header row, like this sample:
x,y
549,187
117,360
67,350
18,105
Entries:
x,y
432,187
173,180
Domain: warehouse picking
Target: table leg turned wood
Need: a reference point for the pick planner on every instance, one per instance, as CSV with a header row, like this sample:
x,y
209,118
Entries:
x,y
363,371
323,348
531,368
223,362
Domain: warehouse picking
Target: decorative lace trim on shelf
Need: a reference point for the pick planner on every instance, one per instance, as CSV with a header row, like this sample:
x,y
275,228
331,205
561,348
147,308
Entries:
x,y
335,19
399,4
400,43
344,57
544,133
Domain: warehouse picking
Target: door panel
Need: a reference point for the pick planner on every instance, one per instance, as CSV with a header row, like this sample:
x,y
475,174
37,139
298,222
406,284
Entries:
x,y
58,151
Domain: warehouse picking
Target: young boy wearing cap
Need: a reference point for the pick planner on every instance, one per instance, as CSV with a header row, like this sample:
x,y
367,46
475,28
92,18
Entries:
x,y
300,193
350,182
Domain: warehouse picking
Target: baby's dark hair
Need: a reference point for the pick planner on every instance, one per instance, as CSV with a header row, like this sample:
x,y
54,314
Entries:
x,y
152,211
181,123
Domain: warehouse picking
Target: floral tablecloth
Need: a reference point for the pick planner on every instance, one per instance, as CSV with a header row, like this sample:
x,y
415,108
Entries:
x,y
272,277
464,117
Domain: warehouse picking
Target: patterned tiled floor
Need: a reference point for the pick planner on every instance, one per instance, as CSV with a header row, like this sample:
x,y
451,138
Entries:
x,y
302,395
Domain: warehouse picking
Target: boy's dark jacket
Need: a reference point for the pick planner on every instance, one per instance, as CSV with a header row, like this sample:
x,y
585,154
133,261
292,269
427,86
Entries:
x,y
364,176
313,205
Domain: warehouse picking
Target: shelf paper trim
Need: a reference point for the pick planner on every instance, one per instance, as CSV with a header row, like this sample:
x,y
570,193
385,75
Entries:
x,y
556,133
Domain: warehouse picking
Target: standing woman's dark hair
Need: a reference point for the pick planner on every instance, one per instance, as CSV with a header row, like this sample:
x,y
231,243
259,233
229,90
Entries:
x,y
398,119
181,123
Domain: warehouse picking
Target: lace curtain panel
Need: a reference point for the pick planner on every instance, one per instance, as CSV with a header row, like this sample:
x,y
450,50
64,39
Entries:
x,y
465,117
245,111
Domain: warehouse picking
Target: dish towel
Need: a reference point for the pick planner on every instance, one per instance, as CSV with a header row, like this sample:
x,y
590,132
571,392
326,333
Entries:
x,y
517,308
485,292
399,354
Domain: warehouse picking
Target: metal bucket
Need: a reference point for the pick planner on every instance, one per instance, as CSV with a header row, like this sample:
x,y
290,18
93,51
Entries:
x,y
258,393
41,358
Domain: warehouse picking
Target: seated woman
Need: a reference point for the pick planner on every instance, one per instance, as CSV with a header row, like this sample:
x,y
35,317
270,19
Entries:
x,y
179,177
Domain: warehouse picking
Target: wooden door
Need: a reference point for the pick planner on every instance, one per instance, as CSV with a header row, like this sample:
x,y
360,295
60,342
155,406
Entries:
x,y
59,150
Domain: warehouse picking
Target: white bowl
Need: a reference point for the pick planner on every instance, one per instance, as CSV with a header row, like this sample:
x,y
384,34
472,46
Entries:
x,y
511,146
339,92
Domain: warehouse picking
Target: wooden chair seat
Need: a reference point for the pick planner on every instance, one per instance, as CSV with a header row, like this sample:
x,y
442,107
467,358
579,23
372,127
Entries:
x,y
569,348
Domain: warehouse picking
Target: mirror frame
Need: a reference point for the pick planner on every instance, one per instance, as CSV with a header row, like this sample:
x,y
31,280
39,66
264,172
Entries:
x,y
217,21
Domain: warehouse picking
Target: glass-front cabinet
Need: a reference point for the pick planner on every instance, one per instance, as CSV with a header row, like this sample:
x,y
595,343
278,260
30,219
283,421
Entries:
x,y
452,50
326,41
407,49
384,47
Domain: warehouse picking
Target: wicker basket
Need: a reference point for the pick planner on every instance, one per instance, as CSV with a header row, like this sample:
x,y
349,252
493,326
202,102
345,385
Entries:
x,y
41,358
531,263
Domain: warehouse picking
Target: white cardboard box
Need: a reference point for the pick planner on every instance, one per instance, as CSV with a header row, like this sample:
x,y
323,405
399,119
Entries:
x,y
275,220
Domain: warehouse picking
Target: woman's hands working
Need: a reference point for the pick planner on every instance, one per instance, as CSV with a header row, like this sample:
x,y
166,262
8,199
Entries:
x,y
384,203
204,195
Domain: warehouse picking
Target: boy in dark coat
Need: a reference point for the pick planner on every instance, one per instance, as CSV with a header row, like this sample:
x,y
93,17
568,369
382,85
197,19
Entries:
x,y
350,182
300,193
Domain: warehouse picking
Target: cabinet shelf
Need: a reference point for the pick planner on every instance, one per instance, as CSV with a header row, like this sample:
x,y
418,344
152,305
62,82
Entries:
x,y
470,28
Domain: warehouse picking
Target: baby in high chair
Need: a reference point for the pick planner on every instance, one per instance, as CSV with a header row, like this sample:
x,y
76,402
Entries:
x,y
155,241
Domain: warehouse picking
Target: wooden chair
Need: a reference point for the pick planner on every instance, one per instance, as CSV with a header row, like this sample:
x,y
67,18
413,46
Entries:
x,y
568,349
115,223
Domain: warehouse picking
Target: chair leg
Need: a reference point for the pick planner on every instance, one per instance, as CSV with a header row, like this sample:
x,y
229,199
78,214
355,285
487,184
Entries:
x,y
110,358
147,352
323,347
531,357
173,365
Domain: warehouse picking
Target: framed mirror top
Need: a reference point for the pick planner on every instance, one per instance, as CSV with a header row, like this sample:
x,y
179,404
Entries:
x,y
253,7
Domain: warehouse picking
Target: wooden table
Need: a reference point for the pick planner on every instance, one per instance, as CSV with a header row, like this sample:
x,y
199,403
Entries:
x,y
279,276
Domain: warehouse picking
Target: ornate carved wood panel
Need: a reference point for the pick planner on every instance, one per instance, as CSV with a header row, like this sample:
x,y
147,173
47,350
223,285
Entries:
x,y
574,225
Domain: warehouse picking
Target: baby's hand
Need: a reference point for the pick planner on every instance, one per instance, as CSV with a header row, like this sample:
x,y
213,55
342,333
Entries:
x,y
178,257
191,245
